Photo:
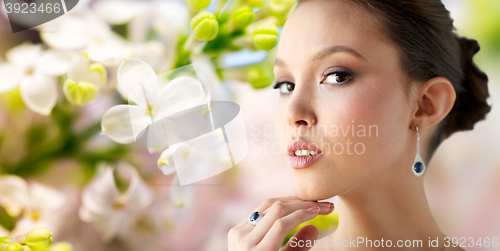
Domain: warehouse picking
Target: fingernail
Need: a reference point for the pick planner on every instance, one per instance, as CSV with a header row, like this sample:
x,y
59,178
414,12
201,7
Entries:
x,y
332,207
313,209
324,204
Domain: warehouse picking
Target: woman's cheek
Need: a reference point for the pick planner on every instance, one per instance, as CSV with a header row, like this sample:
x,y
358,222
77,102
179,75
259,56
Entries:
x,y
364,125
381,111
281,125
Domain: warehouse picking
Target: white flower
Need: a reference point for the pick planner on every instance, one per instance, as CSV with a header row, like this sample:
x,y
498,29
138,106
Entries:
x,y
13,194
118,12
152,52
148,104
85,31
32,70
165,19
84,81
89,31
41,205
196,159
111,212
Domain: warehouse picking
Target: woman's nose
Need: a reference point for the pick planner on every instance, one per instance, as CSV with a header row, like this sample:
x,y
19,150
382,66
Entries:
x,y
300,110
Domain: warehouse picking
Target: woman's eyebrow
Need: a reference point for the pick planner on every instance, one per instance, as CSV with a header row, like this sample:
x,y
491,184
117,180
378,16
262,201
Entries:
x,y
335,49
325,52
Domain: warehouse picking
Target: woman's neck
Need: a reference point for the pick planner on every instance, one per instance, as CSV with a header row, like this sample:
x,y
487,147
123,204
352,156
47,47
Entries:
x,y
388,208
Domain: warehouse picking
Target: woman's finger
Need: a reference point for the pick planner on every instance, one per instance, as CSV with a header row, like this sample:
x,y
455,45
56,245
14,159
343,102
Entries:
x,y
258,234
300,239
282,226
238,235
266,204
280,209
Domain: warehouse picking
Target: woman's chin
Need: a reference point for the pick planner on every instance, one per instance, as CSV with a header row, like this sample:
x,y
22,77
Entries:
x,y
312,193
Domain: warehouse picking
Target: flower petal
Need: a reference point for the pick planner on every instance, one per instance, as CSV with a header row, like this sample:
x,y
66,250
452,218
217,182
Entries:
x,y
117,125
108,225
208,155
154,150
139,121
10,76
206,71
55,62
24,56
13,194
111,227
145,95
101,193
98,204
25,224
138,195
118,12
150,52
177,15
39,93
80,70
180,94
166,169
110,54
135,74
181,195
47,200
159,135
66,33
165,162
98,74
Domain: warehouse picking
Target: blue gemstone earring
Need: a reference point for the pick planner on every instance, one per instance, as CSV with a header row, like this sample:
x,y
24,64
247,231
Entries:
x,y
418,166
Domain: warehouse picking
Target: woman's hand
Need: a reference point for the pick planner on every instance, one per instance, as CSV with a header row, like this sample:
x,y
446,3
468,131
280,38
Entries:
x,y
282,216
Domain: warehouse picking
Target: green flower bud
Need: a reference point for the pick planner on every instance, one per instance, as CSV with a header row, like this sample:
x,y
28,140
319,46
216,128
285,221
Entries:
x,y
14,247
38,238
61,246
205,26
259,76
243,16
80,94
256,3
198,4
265,36
281,7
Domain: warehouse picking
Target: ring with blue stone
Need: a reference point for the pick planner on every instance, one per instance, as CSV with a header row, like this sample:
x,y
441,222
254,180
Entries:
x,y
255,217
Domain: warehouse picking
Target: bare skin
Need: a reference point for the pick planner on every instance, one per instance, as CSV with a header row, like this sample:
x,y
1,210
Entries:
x,y
379,196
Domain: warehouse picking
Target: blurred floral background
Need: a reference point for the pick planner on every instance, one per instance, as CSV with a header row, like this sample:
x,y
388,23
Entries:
x,y
68,166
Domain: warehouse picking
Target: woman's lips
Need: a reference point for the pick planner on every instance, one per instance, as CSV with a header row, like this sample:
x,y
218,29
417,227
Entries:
x,y
298,162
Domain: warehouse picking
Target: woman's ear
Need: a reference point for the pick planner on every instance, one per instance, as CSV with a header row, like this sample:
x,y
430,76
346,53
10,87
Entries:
x,y
435,100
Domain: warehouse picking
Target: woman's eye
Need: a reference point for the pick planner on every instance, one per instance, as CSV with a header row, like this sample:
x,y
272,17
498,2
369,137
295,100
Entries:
x,y
284,87
337,78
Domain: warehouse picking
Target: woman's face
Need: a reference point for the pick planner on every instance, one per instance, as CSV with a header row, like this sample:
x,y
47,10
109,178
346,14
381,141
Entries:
x,y
345,96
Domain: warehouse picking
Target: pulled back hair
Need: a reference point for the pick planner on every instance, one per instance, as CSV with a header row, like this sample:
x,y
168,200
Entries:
x,y
428,46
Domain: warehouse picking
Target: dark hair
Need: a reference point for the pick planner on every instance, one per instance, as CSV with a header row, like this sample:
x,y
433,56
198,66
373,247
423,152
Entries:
x,y
428,47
